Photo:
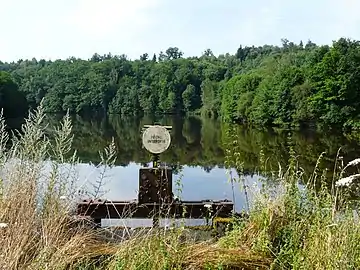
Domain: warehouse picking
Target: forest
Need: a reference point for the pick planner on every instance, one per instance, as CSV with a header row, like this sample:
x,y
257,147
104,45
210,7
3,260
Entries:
x,y
291,85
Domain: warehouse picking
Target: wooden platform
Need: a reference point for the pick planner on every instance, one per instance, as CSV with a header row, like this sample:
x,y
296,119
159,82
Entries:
x,y
98,210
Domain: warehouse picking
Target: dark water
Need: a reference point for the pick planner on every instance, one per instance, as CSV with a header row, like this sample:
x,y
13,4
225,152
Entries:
x,y
197,154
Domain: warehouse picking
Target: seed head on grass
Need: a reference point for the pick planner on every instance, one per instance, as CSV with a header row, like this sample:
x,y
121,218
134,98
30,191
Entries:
x,y
39,231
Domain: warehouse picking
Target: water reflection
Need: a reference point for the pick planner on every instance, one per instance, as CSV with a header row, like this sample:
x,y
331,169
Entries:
x,y
121,183
197,152
200,142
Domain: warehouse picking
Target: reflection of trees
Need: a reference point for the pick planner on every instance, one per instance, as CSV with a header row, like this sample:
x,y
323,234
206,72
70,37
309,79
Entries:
x,y
91,135
211,141
186,147
128,139
191,130
207,169
200,142
308,147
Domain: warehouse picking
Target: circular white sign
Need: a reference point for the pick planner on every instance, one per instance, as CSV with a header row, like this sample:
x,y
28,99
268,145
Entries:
x,y
156,139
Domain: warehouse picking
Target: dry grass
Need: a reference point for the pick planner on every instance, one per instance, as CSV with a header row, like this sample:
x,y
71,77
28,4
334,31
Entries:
x,y
214,256
298,229
38,231
303,228
170,251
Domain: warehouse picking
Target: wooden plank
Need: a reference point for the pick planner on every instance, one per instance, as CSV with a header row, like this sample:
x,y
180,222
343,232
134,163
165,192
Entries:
x,y
186,209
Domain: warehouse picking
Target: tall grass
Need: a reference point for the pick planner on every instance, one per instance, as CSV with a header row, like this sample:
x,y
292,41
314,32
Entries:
x,y
37,230
303,227
310,227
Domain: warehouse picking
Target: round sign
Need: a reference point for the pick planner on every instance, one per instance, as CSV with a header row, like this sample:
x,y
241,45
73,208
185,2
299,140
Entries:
x,y
156,139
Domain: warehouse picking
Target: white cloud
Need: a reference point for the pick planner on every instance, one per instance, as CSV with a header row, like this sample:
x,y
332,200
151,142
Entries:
x,y
346,19
99,19
261,24
322,21
59,29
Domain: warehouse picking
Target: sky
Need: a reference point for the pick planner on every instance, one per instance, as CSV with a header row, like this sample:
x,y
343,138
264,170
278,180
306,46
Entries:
x,y
49,29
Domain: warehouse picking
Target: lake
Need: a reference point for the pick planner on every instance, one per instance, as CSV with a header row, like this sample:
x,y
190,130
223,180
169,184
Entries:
x,y
197,154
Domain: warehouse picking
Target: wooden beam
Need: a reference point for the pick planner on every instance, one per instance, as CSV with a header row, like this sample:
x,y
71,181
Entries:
x,y
179,209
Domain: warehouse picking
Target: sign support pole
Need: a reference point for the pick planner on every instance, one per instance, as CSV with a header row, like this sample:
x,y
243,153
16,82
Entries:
x,y
156,159
156,139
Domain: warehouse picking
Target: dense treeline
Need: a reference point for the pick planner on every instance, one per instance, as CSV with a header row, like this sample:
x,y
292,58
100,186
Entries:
x,y
268,85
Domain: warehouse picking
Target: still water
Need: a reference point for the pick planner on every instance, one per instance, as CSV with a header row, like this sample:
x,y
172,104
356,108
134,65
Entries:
x,y
197,154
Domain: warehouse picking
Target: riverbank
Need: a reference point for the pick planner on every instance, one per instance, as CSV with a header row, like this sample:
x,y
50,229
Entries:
x,y
289,226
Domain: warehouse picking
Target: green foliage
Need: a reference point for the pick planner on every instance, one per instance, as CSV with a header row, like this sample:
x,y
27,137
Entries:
x,y
12,101
301,227
266,85
237,96
190,98
298,228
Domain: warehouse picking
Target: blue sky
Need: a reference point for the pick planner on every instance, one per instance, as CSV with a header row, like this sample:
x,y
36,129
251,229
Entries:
x,y
52,29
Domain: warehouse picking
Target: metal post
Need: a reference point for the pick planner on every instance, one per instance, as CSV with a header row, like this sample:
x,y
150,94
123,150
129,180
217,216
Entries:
x,y
156,139
156,159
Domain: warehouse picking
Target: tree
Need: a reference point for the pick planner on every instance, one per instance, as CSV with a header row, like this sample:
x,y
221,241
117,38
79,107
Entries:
x,y
264,85
189,98
242,53
208,53
12,101
154,58
96,58
144,57
173,53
